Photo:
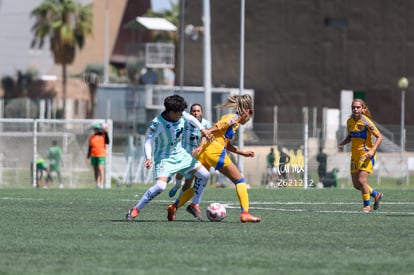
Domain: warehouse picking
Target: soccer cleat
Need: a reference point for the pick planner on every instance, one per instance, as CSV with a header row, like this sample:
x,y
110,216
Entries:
x,y
377,199
173,191
366,209
132,214
246,217
172,208
194,210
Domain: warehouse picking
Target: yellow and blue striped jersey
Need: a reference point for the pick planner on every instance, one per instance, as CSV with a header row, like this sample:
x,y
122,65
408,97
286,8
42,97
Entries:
x,y
361,132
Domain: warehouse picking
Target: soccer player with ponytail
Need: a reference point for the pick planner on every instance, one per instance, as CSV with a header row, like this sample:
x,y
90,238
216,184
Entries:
x,y
213,153
360,132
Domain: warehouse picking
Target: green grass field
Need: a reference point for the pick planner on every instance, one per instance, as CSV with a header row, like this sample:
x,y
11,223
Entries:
x,y
313,231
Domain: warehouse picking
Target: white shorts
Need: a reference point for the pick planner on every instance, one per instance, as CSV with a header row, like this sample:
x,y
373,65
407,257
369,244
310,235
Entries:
x,y
271,170
182,163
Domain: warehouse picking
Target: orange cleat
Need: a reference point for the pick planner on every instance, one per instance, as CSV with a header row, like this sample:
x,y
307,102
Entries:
x,y
246,217
377,199
194,210
172,208
366,209
132,214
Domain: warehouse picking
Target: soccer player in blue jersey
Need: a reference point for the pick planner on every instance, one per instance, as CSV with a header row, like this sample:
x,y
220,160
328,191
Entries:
x,y
164,137
360,132
191,139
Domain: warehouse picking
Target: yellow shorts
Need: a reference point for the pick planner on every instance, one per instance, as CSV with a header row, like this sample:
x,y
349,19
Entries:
x,y
214,156
360,163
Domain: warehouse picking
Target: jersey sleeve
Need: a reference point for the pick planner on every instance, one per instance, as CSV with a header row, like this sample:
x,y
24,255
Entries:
x,y
226,121
207,124
149,139
192,120
371,127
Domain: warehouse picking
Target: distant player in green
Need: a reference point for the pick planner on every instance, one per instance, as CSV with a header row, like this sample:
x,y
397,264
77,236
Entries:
x,y
40,167
270,164
54,155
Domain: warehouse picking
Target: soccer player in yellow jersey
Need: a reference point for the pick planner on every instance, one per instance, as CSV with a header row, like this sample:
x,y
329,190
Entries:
x,y
213,153
360,132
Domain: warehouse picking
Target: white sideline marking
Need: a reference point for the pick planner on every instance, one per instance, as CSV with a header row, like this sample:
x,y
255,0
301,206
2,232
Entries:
x,y
330,203
379,212
234,205
27,199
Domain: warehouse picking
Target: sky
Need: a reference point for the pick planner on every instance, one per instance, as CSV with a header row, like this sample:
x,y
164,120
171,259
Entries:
x,y
159,5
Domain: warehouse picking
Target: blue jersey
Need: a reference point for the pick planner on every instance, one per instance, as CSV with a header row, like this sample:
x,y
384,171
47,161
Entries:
x,y
192,135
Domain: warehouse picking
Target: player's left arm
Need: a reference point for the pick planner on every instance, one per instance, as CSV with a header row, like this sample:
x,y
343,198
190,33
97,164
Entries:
x,y
106,136
196,151
235,150
204,139
378,139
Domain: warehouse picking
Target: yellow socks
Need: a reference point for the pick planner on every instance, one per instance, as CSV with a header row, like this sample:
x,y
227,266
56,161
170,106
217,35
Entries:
x,y
185,197
241,190
243,196
366,199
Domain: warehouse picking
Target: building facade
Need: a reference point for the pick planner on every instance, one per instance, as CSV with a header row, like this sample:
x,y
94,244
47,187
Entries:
x,y
304,52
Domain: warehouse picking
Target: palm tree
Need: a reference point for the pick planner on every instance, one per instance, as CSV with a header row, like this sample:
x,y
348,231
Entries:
x,y
66,24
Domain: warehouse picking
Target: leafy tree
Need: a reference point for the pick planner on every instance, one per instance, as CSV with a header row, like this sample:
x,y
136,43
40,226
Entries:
x,y
172,15
20,85
66,24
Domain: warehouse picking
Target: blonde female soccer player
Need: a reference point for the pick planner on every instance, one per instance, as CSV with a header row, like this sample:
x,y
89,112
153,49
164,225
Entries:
x,y
360,132
213,153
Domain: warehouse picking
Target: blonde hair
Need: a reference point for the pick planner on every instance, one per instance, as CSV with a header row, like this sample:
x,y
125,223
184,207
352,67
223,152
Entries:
x,y
241,103
365,110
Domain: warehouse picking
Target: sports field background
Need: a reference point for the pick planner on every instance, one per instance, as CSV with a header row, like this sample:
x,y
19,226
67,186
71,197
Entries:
x,y
313,231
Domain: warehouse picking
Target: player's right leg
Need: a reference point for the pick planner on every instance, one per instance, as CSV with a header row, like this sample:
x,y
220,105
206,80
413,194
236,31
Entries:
x,y
202,175
186,193
132,214
148,196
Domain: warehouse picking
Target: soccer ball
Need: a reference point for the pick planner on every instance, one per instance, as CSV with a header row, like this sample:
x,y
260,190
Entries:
x,y
216,212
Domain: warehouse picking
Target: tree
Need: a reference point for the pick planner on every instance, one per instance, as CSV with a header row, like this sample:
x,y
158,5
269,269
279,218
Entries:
x,y
91,77
66,24
20,85
172,15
